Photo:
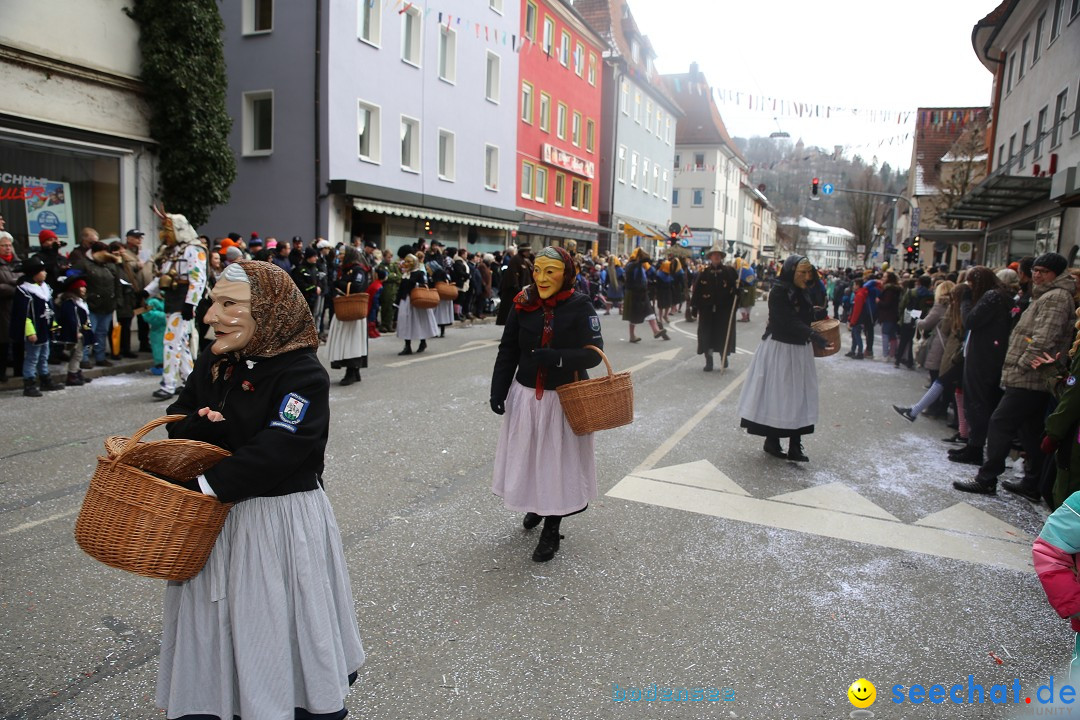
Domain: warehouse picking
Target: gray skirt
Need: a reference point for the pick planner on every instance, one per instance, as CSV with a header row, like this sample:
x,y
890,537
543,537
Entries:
x,y
269,624
415,323
780,396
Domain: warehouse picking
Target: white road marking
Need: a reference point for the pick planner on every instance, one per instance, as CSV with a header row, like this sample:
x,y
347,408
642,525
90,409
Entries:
x,y
42,521
675,326
835,496
702,474
468,347
965,518
650,359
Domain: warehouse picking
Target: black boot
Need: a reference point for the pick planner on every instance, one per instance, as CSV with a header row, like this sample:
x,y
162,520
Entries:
x,y
1023,490
795,451
73,380
408,348
708,362
531,520
549,539
422,346
442,332
772,446
969,454
47,383
351,375
975,486
30,387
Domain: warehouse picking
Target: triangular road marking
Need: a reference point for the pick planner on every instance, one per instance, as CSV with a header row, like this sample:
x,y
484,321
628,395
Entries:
x,y
700,474
836,496
964,518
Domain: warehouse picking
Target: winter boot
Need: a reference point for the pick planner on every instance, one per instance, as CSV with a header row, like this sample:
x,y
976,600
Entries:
x,y
708,362
84,380
531,520
30,388
795,451
408,348
772,447
352,375
549,539
73,380
48,384
422,346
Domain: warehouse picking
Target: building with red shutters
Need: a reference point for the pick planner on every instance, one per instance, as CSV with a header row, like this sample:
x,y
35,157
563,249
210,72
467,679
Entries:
x,y
559,108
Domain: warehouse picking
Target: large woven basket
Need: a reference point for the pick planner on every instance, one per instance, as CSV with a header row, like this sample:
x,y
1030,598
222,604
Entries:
x,y
424,298
134,521
351,307
447,291
598,403
830,329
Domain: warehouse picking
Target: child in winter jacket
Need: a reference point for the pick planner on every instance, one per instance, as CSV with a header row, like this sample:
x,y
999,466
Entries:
x,y
1054,554
75,330
155,317
31,324
374,291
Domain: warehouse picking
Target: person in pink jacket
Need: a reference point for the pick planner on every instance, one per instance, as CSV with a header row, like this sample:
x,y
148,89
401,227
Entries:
x,y
1054,554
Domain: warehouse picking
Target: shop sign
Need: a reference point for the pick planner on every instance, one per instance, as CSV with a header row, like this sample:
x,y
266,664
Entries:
x,y
560,158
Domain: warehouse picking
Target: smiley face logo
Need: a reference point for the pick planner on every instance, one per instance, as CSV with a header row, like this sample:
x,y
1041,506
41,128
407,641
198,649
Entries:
x,y
862,693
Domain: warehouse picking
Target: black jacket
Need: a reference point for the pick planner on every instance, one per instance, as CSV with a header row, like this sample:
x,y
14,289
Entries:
x,y
790,315
987,326
574,326
277,420
417,278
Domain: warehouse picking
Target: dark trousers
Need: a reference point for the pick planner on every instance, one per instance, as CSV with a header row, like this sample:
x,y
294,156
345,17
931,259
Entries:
x,y
125,334
868,331
980,400
903,350
144,334
1021,414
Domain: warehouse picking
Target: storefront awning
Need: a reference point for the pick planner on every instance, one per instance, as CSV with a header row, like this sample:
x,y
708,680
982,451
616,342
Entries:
x,y
411,211
999,195
536,224
633,230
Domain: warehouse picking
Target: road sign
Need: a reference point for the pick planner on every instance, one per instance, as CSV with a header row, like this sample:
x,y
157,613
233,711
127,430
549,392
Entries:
x,y
674,227
686,233
827,188
684,243
860,249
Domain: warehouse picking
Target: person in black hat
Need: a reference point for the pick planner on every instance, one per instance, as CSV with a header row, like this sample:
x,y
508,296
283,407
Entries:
x,y
31,324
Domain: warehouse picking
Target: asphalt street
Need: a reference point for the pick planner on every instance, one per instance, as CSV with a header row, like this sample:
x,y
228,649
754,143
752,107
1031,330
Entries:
x,y
704,563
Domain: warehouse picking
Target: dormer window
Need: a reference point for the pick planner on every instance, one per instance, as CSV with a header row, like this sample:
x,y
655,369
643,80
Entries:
x,y
635,51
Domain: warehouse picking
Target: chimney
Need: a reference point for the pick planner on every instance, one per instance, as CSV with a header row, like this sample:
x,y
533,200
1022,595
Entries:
x,y
693,71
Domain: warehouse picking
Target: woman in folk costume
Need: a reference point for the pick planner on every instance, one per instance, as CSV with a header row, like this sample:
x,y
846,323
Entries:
x,y
267,629
541,467
780,396
747,288
348,341
413,323
444,311
637,306
713,299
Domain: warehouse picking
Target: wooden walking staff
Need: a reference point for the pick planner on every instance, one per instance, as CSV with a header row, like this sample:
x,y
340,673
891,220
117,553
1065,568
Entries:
x,y
731,320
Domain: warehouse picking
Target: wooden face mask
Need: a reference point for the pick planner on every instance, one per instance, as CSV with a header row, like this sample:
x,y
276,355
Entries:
x,y
548,276
230,315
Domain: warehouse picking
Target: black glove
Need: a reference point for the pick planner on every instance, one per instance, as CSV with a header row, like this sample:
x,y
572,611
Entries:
x,y
547,356
497,406
818,339
188,312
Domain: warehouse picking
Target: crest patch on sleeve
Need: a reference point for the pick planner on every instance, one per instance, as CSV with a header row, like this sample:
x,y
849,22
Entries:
x,y
1071,380
594,323
292,411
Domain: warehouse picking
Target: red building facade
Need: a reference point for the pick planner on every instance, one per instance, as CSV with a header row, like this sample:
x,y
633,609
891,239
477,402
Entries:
x,y
558,140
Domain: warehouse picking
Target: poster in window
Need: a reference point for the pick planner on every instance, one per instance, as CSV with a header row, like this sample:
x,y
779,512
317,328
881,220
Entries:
x,y
48,207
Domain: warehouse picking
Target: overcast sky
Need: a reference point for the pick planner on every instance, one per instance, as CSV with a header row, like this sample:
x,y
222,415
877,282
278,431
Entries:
x,y
867,54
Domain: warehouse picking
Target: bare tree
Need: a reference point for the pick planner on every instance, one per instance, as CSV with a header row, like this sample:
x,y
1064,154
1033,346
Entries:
x,y
961,169
863,209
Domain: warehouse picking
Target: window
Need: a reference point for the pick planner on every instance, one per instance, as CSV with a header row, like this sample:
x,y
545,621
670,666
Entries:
x,y
622,164
491,85
410,144
258,16
549,35
1075,9
1011,72
560,189
586,197
367,131
637,107
635,51
633,169
656,180
592,69
1076,111
624,98
667,130
1023,55
590,135
410,35
699,161
1001,155
560,122
663,190
447,54
575,130
527,170
259,122
496,5
526,102
659,119
545,111
1036,49
678,160
1040,133
579,60
1024,141
1061,106
369,22
675,197
491,167
540,186
645,174
697,197
1012,147
575,194
648,116
1055,22
564,49
446,155
530,20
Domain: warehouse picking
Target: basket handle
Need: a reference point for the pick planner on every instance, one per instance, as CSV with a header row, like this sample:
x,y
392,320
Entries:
x,y
610,370
134,439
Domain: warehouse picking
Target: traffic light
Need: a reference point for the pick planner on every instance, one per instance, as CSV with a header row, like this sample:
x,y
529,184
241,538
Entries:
x,y
673,237
910,254
814,184
915,243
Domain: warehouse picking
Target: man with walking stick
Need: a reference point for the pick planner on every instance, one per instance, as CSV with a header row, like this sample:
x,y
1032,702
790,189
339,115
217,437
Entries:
x,y
714,298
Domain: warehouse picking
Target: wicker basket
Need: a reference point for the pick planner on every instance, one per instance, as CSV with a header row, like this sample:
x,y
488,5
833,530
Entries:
x,y
599,403
830,329
447,291
424,298
351,307
134,521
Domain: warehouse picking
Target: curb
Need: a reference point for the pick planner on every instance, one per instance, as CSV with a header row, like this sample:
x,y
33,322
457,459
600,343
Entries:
x,y
120,367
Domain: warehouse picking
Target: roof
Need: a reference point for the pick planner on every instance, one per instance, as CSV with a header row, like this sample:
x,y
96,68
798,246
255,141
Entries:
x,y
702,124
998,195
612,20
936,132
805,223
986,30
